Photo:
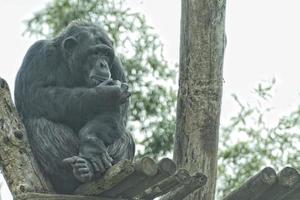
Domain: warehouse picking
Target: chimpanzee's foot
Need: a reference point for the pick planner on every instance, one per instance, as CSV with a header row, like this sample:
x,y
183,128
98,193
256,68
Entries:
x,y
82,168
103,163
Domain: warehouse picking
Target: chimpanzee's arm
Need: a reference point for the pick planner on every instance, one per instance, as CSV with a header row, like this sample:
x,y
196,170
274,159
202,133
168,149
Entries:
x,y
59,103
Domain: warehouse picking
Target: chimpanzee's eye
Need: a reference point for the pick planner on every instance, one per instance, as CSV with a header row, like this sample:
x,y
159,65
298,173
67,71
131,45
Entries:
x,y
96,52
100,40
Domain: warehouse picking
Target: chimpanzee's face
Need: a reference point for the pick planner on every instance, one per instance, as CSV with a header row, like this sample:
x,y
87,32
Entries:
x,y
99,60
92,55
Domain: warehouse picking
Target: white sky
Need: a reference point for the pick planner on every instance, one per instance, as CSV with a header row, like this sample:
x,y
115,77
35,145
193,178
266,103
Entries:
x,y
263,42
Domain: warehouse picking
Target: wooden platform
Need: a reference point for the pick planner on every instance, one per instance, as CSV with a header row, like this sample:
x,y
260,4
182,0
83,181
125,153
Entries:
x,y
267,185
144,179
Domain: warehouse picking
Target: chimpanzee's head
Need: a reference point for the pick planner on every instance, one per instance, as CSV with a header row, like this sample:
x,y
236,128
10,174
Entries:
x,y
88,51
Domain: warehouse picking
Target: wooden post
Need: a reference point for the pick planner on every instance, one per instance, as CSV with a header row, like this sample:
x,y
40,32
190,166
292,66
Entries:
x,y
202,44
20,170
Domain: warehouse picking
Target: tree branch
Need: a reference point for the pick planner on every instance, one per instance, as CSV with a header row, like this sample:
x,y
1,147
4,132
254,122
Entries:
x,y
19,168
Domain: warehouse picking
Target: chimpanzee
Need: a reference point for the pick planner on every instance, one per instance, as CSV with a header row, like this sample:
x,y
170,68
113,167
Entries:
x,y
72,95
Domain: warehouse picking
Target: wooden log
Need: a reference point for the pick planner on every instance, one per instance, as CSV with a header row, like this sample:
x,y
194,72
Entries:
x,y
111,178
288,177
292,182
166,168
146,167
195,182
40,196
19,168
286,180
182,176
255,186
293,194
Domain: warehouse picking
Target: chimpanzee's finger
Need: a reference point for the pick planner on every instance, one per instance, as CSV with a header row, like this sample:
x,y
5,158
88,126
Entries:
x,y
83,170
124,86
107,163
80,160
80,165
124,97
108,82
70,160
101,167
87,176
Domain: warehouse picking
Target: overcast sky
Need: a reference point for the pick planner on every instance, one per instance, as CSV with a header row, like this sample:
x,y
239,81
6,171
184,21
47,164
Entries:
x,y
263,42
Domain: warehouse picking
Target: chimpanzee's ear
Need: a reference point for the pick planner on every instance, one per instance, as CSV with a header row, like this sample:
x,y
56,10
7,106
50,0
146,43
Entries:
x,y
69,44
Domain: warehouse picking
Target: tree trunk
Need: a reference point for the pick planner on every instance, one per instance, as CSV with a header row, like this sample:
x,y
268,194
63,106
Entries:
x,y
1,185
200,89
19,168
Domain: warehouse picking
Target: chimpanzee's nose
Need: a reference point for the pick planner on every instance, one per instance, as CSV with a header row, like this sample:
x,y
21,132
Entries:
x,y
102,63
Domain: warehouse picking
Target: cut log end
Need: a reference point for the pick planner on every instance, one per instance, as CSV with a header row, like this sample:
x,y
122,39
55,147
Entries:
x,y
167,166
268,175
288,177
146,166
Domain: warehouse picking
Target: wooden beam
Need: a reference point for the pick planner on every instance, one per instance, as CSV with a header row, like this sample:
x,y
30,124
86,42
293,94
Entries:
x,y
168,184
293,194
255,186
166,168
146,167
291,180
40,196
111,178
194,183
287,179
119,178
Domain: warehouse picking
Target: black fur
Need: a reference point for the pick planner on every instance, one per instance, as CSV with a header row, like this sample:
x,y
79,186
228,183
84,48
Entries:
x,y
64,113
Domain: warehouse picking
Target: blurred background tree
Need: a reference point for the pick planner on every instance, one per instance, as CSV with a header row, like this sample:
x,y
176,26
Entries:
x,y
150,78
247,143
251,141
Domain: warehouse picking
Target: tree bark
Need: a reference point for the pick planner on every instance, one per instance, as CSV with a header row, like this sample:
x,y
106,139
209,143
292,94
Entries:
x,y
1,185
19,168
202,45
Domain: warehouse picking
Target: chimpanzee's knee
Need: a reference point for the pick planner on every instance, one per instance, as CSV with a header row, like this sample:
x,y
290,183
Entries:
x,y
51,143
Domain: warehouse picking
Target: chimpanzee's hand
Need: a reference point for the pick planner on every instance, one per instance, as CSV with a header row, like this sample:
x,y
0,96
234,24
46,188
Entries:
x,y
125,94
116,92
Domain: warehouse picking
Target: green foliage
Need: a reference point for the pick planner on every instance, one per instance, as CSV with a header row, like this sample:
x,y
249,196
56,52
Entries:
x,y
150,78
249,142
